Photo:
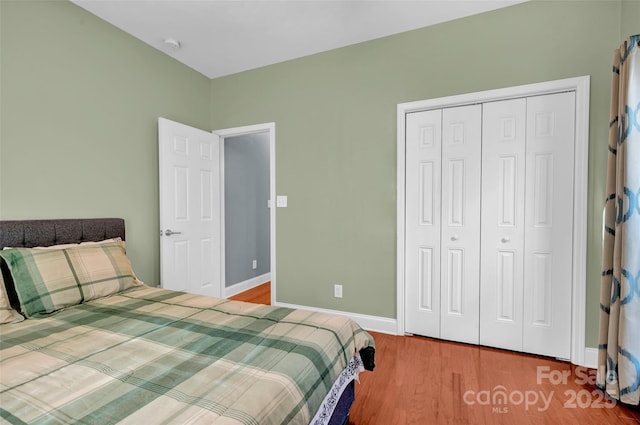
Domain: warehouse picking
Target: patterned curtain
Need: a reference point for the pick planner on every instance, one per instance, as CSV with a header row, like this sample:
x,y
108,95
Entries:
x,y
619,340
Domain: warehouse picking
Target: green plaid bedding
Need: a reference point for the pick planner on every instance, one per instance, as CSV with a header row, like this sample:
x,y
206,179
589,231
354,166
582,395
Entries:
x,y
153,356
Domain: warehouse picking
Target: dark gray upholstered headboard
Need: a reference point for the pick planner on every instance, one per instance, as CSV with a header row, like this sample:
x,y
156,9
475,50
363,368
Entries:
x,y
30,233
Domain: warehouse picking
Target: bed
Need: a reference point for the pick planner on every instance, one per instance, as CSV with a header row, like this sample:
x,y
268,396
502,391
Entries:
x,y
82,340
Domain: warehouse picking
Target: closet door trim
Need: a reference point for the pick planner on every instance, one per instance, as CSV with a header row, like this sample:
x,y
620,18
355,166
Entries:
x,y
579,85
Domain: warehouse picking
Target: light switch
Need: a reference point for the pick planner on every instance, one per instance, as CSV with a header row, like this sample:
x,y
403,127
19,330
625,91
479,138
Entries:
x,y
281,201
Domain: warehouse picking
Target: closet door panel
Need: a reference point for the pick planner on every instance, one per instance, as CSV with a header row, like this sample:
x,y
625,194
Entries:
x,y
460,242
503,184
423,218
549,230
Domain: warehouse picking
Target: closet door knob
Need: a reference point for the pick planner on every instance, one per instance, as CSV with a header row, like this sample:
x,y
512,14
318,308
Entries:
x,y
505,239
455,237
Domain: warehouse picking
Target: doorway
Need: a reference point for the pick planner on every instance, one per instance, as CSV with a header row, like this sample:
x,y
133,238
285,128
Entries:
x,y
247,157
245,177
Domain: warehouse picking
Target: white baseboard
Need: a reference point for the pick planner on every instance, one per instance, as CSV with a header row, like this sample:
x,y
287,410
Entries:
x,y
591,358
370,323
236,288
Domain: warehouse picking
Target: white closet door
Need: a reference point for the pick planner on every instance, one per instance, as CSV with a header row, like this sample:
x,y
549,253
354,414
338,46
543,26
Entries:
x,y
548,224
422,221
503,183
495,190
460,243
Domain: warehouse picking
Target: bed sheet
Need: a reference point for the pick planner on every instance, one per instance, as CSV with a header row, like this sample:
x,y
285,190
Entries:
x,y
152,355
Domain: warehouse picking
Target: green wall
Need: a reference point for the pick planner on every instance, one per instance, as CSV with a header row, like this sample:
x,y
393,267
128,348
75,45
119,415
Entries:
x,y
630,18
335,115
78,125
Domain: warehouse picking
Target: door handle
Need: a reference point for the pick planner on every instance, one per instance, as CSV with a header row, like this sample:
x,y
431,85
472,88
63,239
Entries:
x,y
455,237
170,232
505,239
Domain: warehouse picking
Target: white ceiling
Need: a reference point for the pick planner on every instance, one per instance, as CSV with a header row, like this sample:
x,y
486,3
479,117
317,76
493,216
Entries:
x,y
222,37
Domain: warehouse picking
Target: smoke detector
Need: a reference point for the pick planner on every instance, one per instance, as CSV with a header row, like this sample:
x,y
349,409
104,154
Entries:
x,y
172,43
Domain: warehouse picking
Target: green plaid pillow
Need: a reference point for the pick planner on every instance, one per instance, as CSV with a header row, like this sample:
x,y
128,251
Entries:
x,y
49,280
7,314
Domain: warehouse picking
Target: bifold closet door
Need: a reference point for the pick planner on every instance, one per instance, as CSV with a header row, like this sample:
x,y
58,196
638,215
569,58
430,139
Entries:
x,y
548,238
503,202
489,223
422,222
442,253
527,224
460,243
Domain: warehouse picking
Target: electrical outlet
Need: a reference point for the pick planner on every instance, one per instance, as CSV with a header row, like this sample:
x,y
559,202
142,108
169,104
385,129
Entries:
x,y
254,264
337,291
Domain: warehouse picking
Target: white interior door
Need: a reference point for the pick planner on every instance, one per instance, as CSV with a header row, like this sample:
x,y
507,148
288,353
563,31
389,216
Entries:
x,y
503,175
422,221
548,220
190,247
460,238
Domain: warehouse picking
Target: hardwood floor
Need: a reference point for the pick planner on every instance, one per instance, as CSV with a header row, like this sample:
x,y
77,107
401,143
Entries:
x,y
421,380
427,381
260,294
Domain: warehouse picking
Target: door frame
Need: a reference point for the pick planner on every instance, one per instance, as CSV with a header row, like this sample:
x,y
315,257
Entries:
x,y
269,128
579,85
